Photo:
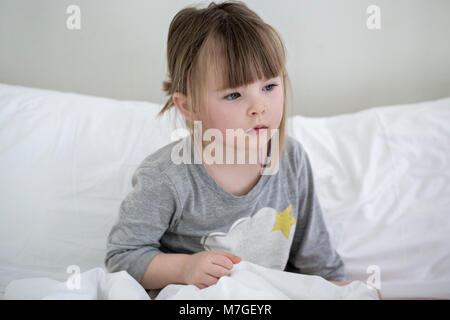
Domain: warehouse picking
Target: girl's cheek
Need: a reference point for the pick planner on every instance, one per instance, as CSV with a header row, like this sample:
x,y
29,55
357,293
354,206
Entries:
x,y
219,121
277,113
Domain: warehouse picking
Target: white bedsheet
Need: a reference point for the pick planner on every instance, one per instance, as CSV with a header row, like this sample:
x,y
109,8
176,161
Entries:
x,y
246,281
94,284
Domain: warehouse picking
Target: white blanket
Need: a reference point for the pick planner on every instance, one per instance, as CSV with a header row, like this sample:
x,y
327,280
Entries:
x,y
247,281
94,284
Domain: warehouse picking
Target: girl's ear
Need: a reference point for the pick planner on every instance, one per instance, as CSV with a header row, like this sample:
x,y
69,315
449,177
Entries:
x,y
181,102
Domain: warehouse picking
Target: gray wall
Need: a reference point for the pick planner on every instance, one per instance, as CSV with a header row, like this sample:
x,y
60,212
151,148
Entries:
x,y
337,65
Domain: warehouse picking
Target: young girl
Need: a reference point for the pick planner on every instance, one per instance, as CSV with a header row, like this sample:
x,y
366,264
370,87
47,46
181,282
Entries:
x,y
188,223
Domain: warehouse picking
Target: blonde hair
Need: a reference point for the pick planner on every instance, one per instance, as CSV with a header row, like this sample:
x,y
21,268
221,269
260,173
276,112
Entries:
x,y
228,39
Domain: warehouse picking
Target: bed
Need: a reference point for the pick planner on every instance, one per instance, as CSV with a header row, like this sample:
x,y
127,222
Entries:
x,y
382,177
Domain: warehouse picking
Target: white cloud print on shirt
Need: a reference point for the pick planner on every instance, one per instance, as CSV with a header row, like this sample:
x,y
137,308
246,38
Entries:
x,y
264,239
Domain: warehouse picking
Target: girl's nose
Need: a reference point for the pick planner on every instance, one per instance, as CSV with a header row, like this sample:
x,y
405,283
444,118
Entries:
x,y
260,108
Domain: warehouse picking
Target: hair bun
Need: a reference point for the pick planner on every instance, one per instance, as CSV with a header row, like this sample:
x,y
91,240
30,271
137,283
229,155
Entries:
x,y
167,86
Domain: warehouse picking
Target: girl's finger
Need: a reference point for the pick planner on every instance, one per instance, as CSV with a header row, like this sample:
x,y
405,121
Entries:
x,y
208,280
201,286
232,257
218,271
222,261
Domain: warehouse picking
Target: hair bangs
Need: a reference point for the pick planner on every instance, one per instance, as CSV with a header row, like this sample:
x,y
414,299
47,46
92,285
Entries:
x,y
239,54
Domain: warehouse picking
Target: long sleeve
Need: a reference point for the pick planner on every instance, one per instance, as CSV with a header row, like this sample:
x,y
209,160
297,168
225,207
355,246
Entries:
x,y
144,216
311,250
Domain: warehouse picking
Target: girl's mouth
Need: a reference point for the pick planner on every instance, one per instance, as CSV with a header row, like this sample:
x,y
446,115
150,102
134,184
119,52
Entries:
x,y
257,129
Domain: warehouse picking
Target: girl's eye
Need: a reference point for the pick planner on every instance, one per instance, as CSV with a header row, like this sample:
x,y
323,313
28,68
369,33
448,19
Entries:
x,y
271,86
230,95
234,97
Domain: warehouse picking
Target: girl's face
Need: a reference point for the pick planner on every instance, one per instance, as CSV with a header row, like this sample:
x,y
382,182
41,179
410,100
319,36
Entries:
x,y
245,107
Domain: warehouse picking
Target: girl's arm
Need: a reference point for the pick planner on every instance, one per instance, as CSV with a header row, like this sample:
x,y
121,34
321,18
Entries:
x,y
144,215
164,269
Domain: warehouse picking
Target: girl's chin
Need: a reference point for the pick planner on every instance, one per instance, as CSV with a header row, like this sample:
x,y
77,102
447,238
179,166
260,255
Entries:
x,y
243,142
248,146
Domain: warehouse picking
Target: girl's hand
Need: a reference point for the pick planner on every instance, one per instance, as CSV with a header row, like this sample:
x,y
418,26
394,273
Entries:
x,y
205,268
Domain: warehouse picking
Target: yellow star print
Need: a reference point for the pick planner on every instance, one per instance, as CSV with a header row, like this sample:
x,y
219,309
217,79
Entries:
x,y
284,221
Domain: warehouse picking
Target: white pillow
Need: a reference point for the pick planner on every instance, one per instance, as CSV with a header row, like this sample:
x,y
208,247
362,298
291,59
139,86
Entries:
x,y
66,164
383,180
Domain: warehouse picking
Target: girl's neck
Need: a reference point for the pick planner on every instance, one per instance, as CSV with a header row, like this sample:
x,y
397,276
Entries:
x,y
236,178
